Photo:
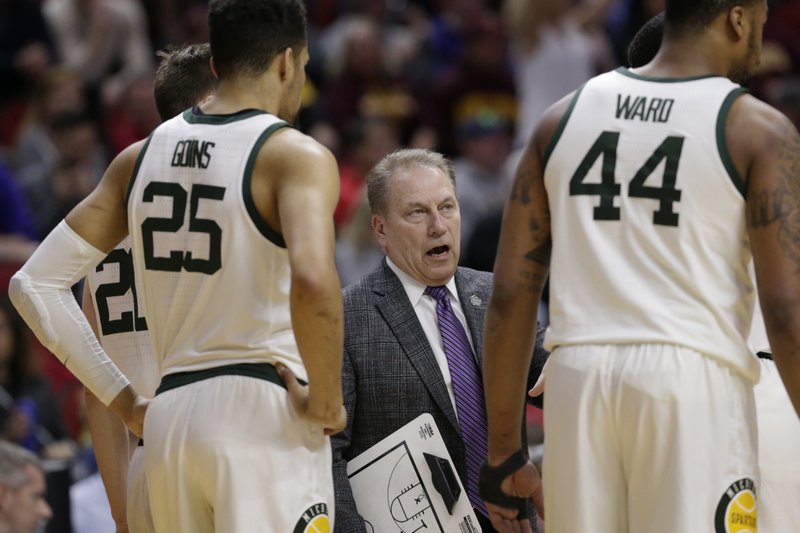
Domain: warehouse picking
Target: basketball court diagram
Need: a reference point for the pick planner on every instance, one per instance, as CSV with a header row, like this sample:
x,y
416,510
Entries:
x,y
393,487
406,498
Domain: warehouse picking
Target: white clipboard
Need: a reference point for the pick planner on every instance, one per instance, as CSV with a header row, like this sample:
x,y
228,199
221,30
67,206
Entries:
x,y
394,489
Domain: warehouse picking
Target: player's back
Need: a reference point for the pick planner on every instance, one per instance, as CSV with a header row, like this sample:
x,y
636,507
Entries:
x,y
647,214
214,277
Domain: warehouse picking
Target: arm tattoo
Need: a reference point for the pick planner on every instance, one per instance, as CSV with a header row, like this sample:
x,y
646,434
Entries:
x,y
765,207
787,201
539,226
537,259
522,186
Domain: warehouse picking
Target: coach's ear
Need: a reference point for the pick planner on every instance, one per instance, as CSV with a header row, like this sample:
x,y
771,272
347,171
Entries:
x,y
379,227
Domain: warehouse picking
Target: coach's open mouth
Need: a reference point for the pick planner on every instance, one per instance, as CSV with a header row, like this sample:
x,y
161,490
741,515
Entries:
x,y
438,251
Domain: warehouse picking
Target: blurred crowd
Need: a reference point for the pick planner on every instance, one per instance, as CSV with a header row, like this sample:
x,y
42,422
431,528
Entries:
x,y
469,78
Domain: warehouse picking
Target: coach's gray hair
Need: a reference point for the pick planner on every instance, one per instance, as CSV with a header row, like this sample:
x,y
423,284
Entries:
x,y
398,161
13,460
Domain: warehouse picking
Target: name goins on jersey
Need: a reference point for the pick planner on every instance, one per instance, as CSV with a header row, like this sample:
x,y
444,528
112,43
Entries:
x,y
192,153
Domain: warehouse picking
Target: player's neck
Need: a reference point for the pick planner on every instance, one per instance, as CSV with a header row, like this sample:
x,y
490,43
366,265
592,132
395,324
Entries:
x,y
235,94
685,58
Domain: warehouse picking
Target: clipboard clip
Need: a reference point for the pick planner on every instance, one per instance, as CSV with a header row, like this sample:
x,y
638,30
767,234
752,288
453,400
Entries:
x,y
444,480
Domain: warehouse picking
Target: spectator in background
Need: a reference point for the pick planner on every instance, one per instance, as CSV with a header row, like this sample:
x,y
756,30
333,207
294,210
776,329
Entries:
x,y
17,232
556,46
26,51
784,94
29,414
105,41
366,141
357,251
481,79
626,18
484,143
781,41
79,165
363,86
178,21
444,39
23,508
134,117
35,157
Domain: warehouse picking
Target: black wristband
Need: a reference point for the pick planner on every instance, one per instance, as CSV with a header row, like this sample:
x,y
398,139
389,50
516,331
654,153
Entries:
x,y
492,477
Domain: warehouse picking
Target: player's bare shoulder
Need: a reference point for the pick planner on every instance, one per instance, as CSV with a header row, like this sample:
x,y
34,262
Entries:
x,y
293,172
121,170
760,137
292,155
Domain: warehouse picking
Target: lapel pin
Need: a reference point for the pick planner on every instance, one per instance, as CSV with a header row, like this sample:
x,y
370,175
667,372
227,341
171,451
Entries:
x,y
475,300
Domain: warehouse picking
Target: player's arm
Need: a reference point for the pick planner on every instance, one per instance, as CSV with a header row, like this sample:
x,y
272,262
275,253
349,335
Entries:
x,y
520,272
306,190
765,147
110,439
41,289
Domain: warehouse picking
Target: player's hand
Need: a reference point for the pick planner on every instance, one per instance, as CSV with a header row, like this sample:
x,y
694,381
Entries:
x,y
330,414
523,483
136,421
131,408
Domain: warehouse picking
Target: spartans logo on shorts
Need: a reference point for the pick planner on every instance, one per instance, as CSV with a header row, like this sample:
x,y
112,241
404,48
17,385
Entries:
x,y
314,520
736,512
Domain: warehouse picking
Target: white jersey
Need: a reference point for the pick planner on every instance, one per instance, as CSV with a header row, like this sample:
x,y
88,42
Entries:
x,y
648,219
121,325
214,277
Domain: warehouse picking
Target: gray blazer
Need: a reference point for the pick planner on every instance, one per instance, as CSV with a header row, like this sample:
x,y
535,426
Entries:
x,y
390,375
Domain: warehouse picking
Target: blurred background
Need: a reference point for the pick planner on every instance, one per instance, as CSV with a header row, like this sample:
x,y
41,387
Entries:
x,y
469,78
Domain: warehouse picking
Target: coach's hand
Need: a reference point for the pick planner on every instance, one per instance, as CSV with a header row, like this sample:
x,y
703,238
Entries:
x,y
315,408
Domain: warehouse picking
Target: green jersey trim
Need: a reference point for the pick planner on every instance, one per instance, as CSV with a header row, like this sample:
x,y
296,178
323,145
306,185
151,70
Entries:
x,y
722,141
627,72
198,117
136,166
560,129
247,191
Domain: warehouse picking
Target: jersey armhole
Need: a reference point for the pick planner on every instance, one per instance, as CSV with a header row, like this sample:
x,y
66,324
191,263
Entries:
x,y
560,130
722,140
136,166
247,192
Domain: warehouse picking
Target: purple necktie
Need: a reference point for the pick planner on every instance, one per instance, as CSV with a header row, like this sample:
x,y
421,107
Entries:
x,y
467,389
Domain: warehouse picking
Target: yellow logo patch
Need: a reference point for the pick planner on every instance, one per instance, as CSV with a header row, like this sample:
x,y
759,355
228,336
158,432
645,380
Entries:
x,y
737,510
314,520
